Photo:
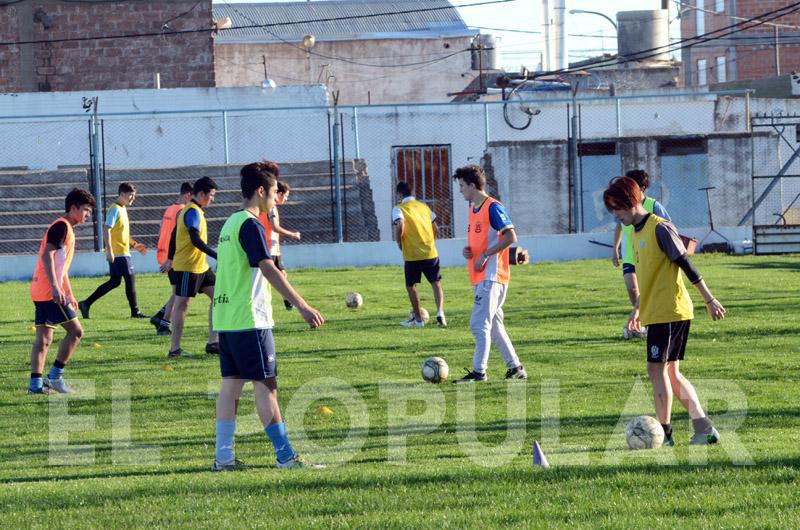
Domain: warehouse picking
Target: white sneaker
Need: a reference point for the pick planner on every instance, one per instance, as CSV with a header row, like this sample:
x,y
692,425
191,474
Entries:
x,y
59,385
413,323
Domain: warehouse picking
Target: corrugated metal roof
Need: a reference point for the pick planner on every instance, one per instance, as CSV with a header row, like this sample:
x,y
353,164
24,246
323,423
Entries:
x,y
292,20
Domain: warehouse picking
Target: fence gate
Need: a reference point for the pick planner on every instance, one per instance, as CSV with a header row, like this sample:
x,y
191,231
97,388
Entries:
x,y
776,184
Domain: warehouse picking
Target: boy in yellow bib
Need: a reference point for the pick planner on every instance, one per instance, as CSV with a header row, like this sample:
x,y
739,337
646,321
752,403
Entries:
x,y
415,231
663,305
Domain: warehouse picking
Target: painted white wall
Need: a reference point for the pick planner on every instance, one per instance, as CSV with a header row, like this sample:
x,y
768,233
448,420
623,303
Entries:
x,y
566,247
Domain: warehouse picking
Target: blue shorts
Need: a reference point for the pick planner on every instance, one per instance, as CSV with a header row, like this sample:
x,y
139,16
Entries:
x,y
628,268
248,354
51,314
122,266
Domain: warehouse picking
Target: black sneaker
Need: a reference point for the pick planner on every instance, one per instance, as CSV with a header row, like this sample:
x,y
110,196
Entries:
x,y
516,373
84,309
212,348
156,320
163,330
174,354
138,314
470,377
288,305
236,465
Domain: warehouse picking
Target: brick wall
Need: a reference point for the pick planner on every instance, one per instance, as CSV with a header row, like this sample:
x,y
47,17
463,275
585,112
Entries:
x,y
184,60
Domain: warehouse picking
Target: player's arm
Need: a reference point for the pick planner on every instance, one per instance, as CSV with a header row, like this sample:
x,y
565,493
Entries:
x,y
49,262
112,217
285,289
617,242
508,236
192,221
435,227
139,247
278,229
399,230
671,244
167,265
109,251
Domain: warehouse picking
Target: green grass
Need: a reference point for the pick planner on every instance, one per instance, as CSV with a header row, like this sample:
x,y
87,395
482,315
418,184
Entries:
x,y
565,320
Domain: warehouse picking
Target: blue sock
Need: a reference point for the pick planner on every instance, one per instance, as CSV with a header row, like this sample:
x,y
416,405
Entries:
x,y
277,435
225,432
36,384
55,372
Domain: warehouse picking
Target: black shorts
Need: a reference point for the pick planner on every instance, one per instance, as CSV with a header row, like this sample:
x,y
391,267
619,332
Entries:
x,y
628,268
173,277
122,266
667,342
188,284
51,314
415,269
248,354
278,262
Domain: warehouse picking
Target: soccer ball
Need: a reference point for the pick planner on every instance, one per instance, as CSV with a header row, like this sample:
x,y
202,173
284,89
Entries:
x,y
422,313
435,370
627,334
644,432
353,300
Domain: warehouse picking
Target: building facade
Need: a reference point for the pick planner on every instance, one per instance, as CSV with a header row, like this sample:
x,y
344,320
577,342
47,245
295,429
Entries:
x,y
56,45
756,51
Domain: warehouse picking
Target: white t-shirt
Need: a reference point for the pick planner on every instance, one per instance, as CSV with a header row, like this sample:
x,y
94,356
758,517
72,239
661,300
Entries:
x,y
397,213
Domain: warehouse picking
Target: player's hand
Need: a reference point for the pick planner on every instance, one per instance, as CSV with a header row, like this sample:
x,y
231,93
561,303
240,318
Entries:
x,y
73,303
140,248
467,253
59,296
716,310
295,236
615,257
165,267
480,262
634,324
312,316
110,258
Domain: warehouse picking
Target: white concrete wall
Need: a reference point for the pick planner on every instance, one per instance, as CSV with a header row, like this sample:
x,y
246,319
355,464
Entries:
x,y
566,247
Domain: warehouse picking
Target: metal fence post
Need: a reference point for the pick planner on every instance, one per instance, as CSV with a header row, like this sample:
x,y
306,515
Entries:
x,y
337,175
225,136
355,133
486,123
97,184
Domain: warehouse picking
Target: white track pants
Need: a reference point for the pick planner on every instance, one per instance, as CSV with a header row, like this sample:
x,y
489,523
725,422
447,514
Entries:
x,y
487,326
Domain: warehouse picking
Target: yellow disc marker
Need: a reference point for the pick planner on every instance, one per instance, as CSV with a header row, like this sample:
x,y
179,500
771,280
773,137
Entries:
x,y
324,410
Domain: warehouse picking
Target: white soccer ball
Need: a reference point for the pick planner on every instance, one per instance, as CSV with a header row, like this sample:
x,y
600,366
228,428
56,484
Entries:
x,y
353,300
435,370
422,312
644,432
627,334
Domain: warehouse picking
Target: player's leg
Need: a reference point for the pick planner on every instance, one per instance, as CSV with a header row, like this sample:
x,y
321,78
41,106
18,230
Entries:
x,y
230,390
115,279
412,271
480,324
179,309
41,344
662,391
67,347
130,290
213,339
434,276
413,297
500,337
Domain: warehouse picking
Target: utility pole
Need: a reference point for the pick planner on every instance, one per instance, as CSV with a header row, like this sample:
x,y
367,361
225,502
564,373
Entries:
x,y
777,52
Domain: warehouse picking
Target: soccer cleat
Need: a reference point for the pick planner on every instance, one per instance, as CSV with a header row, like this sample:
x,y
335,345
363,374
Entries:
x,y
57,385
669,442
44,390
441,321
174,354
297,462
236,465
138,314
155,320
516,373
288,305
413,323
472,376
84,309
705,439
163,330
212,348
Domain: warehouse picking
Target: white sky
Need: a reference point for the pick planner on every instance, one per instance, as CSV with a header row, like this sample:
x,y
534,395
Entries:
x,y
522,49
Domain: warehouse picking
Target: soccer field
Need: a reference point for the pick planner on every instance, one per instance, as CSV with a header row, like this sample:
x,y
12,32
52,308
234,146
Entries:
x,y
401,452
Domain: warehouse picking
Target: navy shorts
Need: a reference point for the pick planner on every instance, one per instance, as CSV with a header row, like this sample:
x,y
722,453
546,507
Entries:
x,y
188,284
667,342
173,277
51,314
415,269
278,262
122,266
248,354
628,268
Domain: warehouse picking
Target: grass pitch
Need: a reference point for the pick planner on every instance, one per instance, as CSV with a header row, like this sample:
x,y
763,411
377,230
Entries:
x,y
406,453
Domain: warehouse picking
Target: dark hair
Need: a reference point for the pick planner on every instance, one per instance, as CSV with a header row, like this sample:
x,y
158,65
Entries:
x,y
78,197
271,167
640,176
186,187
472,174
403,188
623,193
126,187
283,186
256,175
204,185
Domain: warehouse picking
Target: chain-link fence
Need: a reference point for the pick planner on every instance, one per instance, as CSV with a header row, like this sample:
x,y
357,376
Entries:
x,y
547,157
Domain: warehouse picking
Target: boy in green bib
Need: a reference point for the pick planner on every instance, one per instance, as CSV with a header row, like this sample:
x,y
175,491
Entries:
x,y
242,316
